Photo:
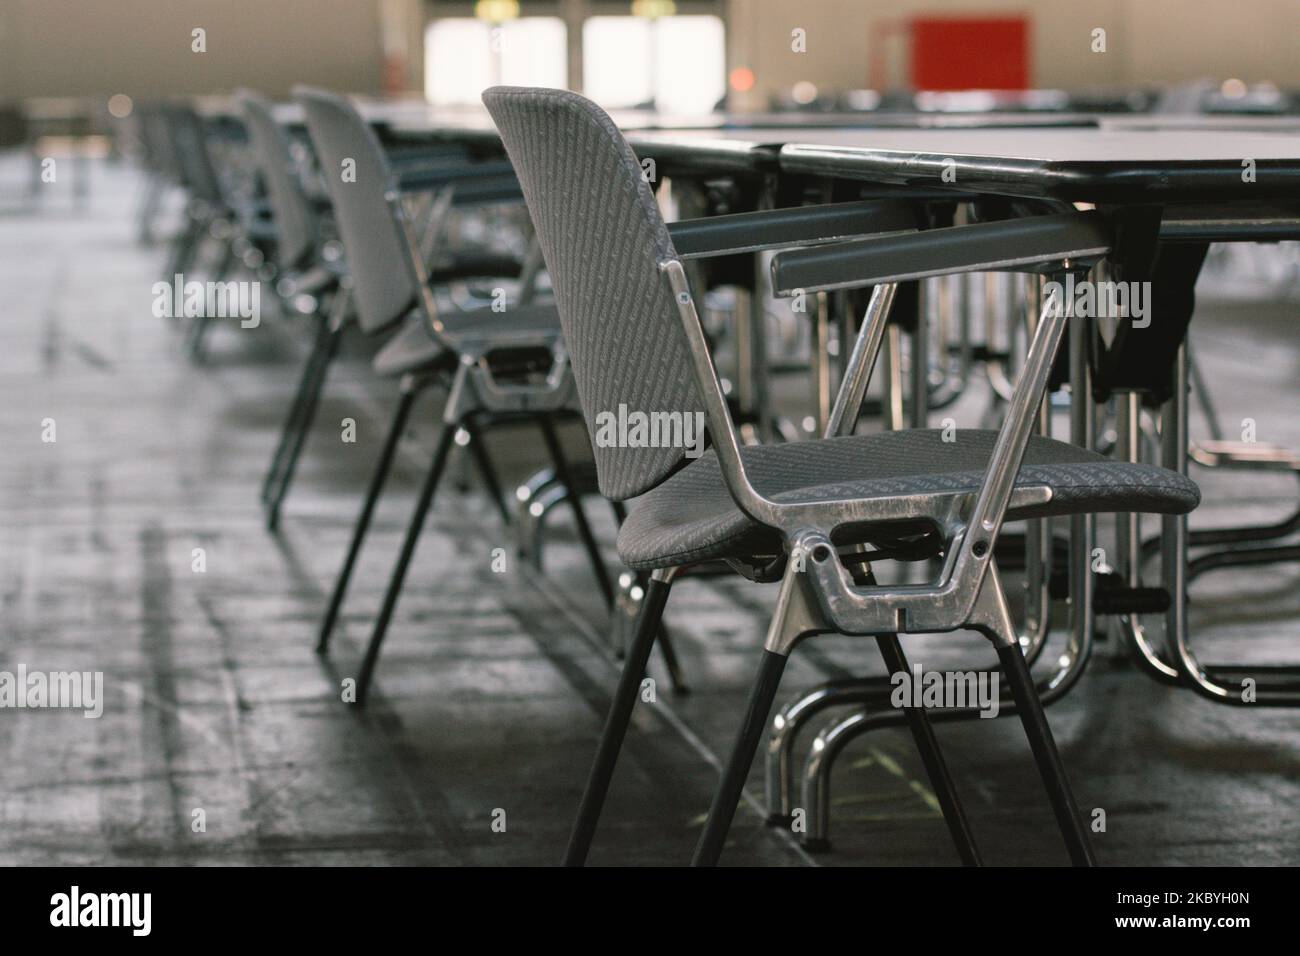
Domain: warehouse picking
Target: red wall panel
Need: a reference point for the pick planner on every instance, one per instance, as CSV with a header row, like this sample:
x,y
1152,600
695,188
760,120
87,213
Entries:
x,y
970,53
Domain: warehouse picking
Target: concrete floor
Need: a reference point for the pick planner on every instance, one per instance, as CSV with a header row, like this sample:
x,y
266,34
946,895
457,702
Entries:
x,y
493,687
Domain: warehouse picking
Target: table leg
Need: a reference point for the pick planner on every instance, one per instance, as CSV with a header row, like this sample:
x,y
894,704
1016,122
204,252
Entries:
x,y
1082,526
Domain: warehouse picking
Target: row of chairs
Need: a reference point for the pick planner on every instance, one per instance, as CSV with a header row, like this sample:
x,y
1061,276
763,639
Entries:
x,y
613,321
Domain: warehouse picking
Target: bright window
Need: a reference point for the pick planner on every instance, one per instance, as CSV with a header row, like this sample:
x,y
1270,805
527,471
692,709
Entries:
x,y
464,56
679,63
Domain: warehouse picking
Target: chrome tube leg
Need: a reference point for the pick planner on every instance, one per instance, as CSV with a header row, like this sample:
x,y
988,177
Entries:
x,y
1038,532
440,454
784,728
919,406
1082,526
743,318
727,797
377,481
1203,397
891,649
893,383
1177,573
1173,550
762,392
527,523
1130,631
616,723
821,362
1043,745
821,759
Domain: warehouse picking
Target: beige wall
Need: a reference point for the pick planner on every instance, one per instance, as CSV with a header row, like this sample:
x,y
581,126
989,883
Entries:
x,y
142,47
1148,41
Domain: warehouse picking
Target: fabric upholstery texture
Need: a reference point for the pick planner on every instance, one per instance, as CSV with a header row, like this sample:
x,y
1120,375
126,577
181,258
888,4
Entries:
x,y
691,516
602,238
382,285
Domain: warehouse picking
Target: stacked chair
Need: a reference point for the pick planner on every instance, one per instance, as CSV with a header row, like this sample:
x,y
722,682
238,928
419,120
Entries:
x,y
217,210
619,325
497,368
315,277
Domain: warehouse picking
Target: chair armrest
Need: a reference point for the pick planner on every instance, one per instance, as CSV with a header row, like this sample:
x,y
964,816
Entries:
x,y
781,228
1027,245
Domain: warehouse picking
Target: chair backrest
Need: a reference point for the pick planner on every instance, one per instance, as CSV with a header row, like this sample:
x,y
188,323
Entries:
x,y
295,221
358,178
603,238
189,141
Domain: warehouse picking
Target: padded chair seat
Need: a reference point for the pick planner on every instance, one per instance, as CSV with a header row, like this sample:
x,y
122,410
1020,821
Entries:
x,y
414,349
691,517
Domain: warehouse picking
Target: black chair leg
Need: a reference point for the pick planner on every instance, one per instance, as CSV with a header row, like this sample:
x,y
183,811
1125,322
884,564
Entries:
x,y
620,714
487,472
935,766
409,391
404,559
194,339
312,401
203,323
565,476
1043,746
671,663
727,796
184,248
293,419
154,190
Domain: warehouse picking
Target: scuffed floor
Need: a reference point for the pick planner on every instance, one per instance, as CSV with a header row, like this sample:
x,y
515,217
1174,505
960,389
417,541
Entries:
x,y
493,686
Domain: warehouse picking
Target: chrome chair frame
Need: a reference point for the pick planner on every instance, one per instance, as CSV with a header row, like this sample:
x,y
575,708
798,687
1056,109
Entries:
x,y
573,165
785,727
824,598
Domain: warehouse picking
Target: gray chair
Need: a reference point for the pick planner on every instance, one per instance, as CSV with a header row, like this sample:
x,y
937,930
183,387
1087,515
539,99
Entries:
x,y
312,264
207,209
307,274
800,511
297,222
158,160
497,367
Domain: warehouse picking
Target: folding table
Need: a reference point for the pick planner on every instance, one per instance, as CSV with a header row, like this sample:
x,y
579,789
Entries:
x,y
1171,191
745,149
1172,185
